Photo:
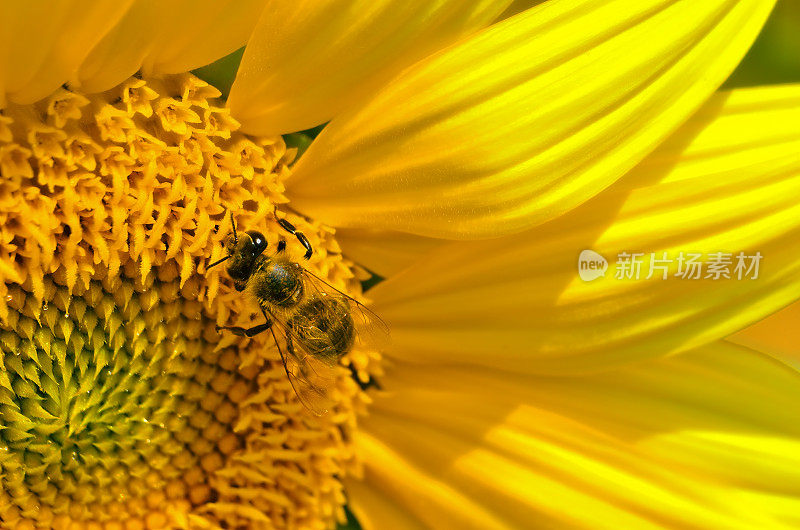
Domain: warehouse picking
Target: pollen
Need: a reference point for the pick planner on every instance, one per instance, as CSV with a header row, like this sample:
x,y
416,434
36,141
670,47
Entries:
x,y
121,406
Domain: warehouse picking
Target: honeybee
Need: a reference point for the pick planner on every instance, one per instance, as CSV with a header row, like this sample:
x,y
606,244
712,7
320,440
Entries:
x,y
319,323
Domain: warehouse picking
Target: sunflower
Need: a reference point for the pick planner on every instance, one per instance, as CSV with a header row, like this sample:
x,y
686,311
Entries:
x,y
473,150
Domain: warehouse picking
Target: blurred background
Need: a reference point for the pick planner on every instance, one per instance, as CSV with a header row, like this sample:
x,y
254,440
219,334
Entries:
x,y
774,58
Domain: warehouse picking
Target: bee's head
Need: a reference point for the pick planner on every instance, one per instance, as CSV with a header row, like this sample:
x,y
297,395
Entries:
x,y
243,251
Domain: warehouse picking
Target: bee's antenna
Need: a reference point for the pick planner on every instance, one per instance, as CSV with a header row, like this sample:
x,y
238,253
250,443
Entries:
x,y
235,237
218,262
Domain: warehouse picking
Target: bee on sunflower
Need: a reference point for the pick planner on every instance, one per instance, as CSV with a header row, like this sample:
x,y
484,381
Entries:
x,y
472,151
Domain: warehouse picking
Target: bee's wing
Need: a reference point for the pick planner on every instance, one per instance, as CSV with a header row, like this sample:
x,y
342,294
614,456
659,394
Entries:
x,y
371,331
310,377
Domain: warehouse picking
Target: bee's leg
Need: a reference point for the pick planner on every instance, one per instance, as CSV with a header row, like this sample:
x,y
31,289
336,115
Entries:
x,y
290,345
302,368
289,227
248,332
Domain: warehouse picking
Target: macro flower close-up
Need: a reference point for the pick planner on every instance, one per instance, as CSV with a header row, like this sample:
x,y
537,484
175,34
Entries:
x,y
399,265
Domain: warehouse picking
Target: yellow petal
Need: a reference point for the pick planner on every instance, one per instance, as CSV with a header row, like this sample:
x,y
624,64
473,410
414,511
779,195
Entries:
x,y
727,182
525,120
171,36
307,60
43,43
383,251
710,439
777,335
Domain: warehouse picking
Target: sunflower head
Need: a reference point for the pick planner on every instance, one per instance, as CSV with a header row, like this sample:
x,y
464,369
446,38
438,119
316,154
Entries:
x,y
127,398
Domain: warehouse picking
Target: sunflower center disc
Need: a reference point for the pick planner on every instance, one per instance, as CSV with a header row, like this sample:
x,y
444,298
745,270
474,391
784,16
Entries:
x,y
120,405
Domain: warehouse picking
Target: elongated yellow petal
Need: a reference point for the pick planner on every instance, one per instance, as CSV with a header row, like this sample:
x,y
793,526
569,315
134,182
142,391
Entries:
x,y
777,335
710,439
170,36
526,120
307,60
43,43
727,182
383,251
